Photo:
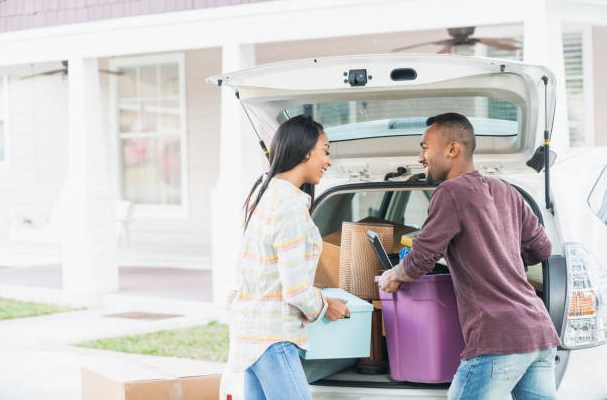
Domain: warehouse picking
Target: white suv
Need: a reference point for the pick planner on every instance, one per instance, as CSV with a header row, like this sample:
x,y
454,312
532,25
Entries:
x,y
374,109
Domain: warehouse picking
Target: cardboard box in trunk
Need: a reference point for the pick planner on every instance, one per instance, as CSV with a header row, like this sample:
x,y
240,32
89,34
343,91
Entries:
x,y
327,272
118,380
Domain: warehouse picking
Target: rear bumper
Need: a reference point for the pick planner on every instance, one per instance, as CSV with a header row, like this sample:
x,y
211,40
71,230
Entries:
x,y
357,393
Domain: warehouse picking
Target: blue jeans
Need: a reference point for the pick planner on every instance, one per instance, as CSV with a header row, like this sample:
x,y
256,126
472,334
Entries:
x,y
527,376
277,375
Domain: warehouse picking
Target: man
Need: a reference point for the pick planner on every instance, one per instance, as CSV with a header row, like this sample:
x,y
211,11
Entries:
x,y
487,235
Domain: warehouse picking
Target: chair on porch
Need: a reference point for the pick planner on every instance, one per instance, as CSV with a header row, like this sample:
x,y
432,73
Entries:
x,y
124,216
33,225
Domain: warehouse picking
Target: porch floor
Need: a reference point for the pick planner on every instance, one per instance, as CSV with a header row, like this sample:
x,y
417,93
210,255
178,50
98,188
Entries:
x,y
167,283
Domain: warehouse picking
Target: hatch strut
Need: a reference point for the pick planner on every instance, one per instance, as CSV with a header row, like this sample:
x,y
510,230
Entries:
x,y
261,143
547,134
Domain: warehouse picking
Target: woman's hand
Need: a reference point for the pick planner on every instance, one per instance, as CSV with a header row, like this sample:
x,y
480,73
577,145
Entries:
x,y
336,309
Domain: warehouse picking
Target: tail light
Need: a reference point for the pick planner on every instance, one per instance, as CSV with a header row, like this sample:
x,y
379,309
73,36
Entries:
x,y
586,303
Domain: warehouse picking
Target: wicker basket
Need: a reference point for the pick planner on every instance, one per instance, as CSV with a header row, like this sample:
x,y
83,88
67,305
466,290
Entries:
x,y
358,263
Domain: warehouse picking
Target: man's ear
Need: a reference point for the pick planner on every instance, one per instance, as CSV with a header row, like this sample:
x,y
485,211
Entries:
x,y
454,149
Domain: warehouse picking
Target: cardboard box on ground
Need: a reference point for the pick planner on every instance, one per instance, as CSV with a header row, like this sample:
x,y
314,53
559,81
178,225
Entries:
x,y
327,272
120,380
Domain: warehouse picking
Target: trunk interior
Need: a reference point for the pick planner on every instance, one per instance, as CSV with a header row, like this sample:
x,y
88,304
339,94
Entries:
x,y
400,202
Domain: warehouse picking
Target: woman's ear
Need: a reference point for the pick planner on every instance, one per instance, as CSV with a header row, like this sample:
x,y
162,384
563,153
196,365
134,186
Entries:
x,y
307,157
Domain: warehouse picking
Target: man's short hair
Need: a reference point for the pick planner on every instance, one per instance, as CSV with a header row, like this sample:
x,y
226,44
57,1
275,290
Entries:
x,y
455,128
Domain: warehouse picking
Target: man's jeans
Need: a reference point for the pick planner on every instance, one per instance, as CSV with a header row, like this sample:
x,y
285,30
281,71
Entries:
x,y
528,376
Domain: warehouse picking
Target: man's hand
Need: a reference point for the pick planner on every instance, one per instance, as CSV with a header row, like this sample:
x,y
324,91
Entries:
x,y
336,309
388,282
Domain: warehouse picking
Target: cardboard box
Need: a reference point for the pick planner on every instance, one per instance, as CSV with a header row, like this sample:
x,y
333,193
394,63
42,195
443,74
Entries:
x,y
119,380
377,306
327,272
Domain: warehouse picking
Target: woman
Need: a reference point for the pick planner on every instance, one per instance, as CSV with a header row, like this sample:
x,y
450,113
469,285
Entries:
x,y
281,246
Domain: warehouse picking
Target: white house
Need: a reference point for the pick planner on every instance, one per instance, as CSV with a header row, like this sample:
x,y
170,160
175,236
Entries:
x,y
127,130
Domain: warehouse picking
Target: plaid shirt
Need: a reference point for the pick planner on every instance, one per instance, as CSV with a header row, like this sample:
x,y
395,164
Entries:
x,y
275,297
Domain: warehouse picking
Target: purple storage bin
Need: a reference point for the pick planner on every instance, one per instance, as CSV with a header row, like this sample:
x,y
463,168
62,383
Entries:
x,y
423,332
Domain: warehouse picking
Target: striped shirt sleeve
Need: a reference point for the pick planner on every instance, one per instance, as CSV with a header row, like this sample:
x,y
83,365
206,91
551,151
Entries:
x,y
289,242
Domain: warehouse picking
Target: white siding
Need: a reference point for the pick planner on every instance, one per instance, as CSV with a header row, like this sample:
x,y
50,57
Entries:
x,y
31,184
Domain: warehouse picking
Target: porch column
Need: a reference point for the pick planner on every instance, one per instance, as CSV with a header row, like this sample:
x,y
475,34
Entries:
x,y
89,264
239,164
543,44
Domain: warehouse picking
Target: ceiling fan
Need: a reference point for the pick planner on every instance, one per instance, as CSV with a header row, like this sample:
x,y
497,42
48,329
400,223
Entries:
x,y
462,36
63,71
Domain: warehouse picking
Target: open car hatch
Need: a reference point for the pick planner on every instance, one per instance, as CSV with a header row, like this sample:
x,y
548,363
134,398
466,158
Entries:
x,y
377,105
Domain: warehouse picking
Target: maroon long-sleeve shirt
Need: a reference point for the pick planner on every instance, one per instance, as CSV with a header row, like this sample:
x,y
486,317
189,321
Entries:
x,y
487,234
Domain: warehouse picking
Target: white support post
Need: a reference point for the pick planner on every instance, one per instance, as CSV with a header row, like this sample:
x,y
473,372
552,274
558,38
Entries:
x,y
543,44
239,164
89,244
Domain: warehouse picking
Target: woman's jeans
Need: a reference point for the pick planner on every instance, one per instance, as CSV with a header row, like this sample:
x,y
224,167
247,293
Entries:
x,y
527,376
278,374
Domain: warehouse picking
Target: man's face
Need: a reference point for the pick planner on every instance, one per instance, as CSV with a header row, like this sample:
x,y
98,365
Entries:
x,y
434,155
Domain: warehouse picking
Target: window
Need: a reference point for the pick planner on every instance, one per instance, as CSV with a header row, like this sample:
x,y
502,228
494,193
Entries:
x,y
403,117
149,114
597,200
574,82
3,121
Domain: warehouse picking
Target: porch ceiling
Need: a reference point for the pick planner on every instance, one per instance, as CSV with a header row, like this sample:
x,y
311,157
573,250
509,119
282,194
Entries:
x,y
249,23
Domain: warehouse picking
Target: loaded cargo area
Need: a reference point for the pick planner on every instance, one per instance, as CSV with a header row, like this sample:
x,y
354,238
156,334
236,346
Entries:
x,y
403,205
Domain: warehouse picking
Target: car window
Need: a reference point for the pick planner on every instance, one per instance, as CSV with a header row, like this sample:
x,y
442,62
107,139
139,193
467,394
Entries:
x,y
408,207
597,199
347,207
367,204
417,208
361,119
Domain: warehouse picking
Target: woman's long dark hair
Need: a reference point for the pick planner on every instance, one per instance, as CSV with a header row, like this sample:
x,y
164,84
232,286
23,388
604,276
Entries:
x,y
293,141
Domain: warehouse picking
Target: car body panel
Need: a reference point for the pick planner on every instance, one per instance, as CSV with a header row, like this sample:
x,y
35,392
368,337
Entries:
x,y
264,90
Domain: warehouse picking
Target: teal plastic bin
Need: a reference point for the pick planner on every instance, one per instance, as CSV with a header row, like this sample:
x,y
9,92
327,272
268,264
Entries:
x,y
344,338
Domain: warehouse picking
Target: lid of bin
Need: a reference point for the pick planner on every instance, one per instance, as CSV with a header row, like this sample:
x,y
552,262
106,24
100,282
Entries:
x,y
354,304
426,278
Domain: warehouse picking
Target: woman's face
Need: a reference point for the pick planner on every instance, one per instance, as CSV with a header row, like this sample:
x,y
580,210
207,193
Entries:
x,y
319,160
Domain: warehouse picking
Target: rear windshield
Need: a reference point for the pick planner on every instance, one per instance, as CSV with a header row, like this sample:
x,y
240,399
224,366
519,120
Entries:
x,y
350,120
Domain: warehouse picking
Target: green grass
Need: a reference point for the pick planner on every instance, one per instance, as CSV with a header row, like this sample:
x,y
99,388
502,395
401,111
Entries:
x,y
203,342
20,309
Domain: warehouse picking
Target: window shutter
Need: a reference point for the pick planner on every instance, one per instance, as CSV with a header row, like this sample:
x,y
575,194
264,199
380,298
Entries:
x,y
574,82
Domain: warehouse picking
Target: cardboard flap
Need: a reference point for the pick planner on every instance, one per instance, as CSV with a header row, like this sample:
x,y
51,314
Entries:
x,y
119,380
333,238
128,371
